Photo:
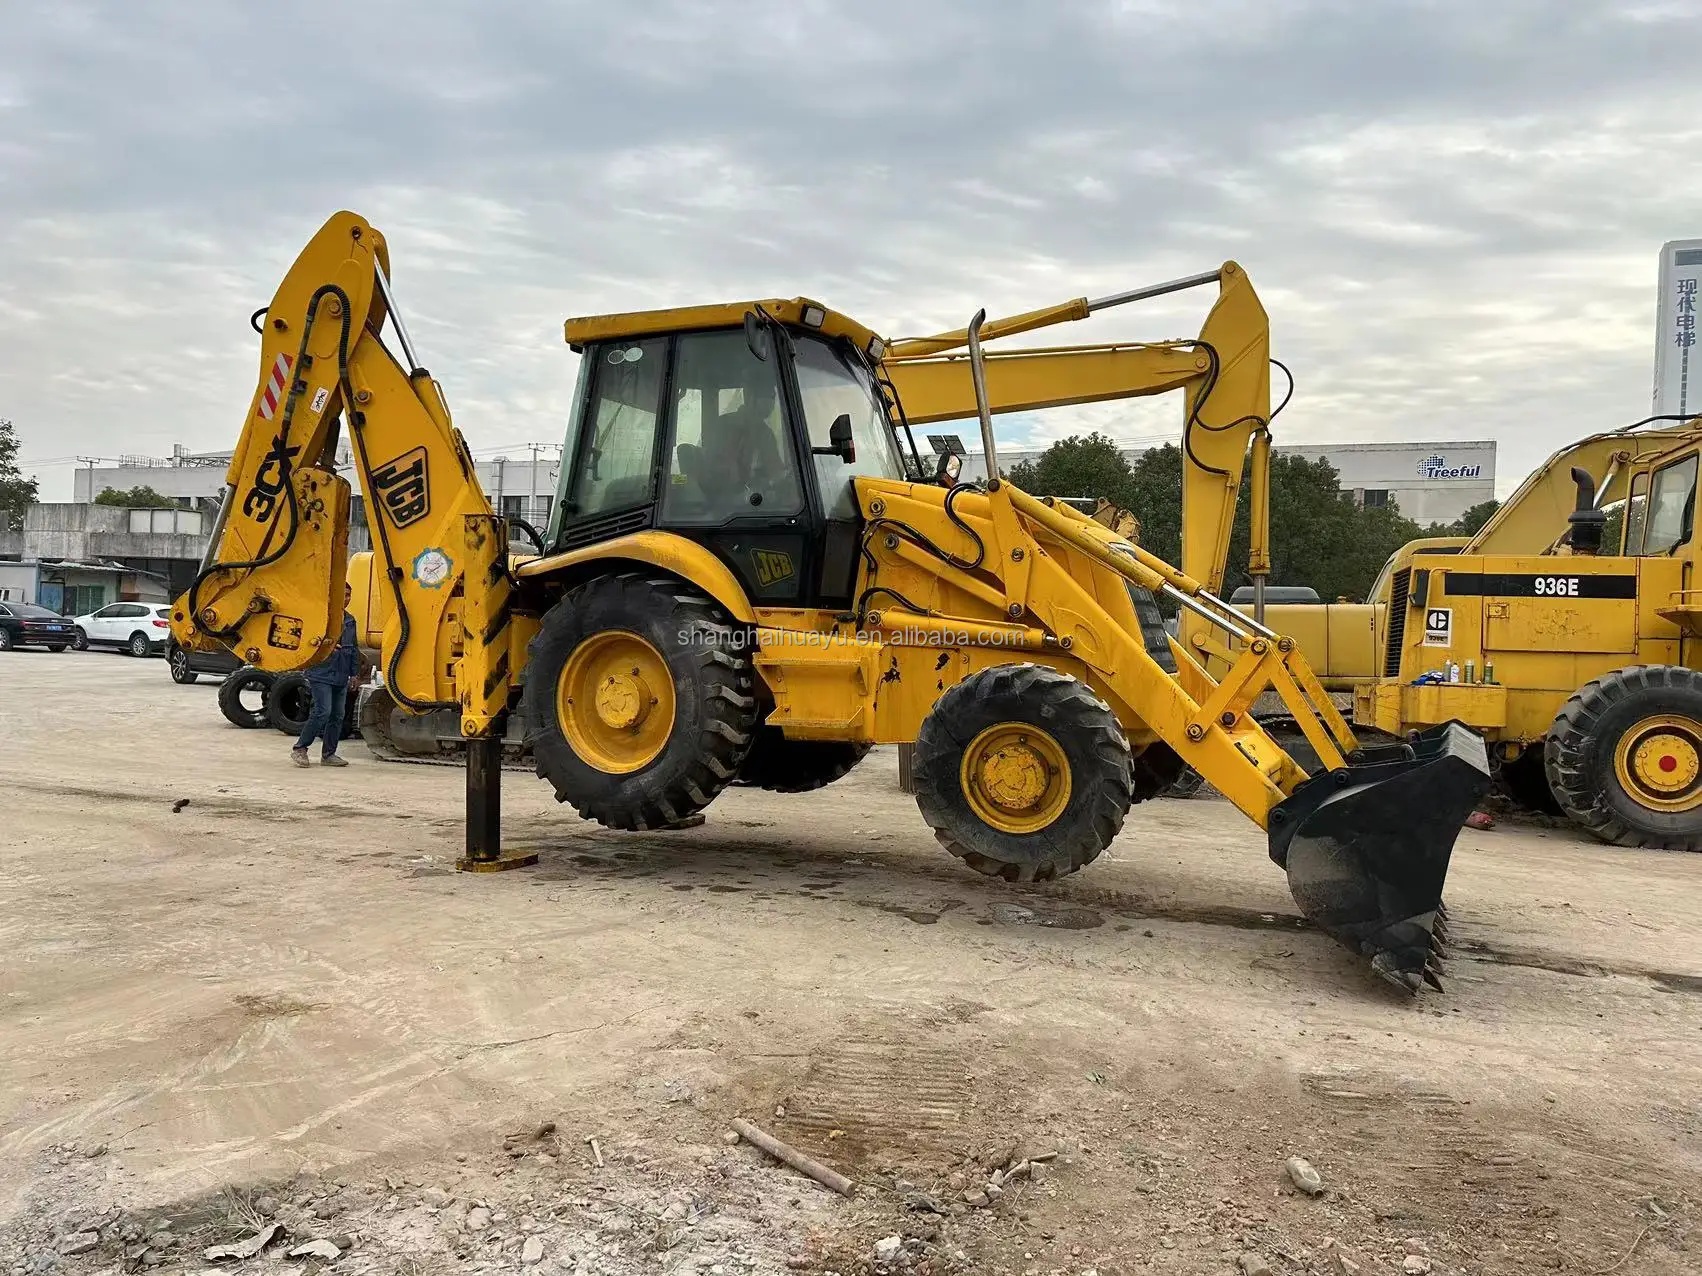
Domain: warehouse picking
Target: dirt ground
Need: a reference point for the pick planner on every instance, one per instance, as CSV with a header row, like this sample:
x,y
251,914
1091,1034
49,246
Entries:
x,y
279,1004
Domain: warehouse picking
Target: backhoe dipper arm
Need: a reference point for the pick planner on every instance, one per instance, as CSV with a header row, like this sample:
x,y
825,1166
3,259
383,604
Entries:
x,y
271,588
1224,372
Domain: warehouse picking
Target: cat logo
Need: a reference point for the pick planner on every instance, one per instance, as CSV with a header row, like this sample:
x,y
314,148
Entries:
x,y
772,566
403,489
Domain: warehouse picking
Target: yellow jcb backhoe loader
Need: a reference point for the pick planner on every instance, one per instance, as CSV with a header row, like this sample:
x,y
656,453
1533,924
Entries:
x,y
926,378
741,544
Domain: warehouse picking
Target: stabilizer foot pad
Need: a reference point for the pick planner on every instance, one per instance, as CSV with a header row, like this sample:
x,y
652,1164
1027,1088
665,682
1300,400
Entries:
x,y
501,865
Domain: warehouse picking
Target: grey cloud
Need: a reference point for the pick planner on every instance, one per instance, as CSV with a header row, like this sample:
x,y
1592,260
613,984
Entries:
x,y
1452,210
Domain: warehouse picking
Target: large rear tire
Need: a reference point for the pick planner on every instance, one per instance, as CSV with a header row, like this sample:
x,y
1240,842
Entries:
x,y
246,681
797,766
1023,773
638,700
1624,757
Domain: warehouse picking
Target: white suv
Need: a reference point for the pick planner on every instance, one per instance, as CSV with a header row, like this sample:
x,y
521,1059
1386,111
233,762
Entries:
x,y
139,628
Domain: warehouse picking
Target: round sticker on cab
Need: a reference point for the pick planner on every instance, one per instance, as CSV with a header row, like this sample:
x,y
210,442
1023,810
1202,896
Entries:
x,y
431,568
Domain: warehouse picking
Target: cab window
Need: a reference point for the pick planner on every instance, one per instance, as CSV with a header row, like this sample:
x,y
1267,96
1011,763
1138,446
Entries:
x,y
832,383
619,447
1672,502
732,456
1636,507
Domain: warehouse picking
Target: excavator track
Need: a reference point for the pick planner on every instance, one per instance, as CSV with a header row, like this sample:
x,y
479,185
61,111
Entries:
x,y
378,715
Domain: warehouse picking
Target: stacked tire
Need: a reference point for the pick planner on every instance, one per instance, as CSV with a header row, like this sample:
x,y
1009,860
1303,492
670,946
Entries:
x,y
290,703
238,693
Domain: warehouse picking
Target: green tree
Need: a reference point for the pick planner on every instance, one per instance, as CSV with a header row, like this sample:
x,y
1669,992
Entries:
x,y
1469,523
1319,537
16,491
1083,465
135,498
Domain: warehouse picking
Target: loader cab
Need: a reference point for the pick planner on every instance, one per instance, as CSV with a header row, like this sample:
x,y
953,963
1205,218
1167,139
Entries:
x,y
740,427
1659,513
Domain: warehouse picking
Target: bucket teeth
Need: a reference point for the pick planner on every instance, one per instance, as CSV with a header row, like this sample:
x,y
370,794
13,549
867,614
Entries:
x,y
1385,965
1433,977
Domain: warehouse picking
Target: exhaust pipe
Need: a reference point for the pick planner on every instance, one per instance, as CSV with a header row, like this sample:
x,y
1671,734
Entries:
x,y
1366,847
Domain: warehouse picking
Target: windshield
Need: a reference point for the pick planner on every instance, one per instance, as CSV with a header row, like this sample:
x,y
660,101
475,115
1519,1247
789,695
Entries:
x,y
833,383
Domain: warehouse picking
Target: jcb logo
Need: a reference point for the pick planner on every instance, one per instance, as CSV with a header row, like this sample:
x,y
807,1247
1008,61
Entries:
x,y
269,481
402,487
772,566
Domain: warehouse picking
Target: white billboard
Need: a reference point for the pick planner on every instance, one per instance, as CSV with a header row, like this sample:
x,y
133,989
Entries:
x,y
1677,370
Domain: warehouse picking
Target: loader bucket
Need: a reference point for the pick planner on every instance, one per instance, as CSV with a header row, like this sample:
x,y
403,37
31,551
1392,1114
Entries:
x,y
1366,847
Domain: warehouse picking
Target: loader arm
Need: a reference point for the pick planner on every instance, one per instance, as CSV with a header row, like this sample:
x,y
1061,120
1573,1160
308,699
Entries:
x,y
271,586
1224,374
1533,519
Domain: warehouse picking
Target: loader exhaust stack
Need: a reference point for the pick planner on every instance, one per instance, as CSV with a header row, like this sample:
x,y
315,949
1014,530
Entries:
x,y
1366,848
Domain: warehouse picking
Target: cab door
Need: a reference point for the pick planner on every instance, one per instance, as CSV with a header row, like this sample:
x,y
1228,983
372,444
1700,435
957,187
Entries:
x,y
730,474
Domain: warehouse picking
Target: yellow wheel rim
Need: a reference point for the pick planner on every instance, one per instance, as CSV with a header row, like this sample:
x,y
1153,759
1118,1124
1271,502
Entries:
x,y
1016,778
615,702
1659,762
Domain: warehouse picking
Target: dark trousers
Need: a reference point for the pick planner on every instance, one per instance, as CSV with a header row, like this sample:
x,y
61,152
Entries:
x,y
330,703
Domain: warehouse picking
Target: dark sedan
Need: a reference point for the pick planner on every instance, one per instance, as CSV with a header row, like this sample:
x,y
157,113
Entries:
x,y
26,625
187,663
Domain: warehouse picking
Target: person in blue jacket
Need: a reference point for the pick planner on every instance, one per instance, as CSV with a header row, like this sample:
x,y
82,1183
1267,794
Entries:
x,y
331,680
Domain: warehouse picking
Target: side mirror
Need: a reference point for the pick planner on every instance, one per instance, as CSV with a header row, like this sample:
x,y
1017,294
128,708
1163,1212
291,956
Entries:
x,y
839,440
755,337
947,468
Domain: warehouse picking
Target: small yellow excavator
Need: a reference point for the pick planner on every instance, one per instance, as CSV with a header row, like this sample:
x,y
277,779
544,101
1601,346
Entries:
x,y
747,540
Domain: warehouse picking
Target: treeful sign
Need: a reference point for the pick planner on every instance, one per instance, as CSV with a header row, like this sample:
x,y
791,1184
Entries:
x,y
1437,467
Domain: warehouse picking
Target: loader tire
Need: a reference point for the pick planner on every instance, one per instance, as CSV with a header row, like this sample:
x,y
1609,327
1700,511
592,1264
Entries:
x,y
797,766
639,700
289,703
245,681
1624,757
1023,773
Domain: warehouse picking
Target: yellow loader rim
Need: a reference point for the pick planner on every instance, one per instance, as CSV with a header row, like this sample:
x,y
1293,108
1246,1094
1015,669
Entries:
x,y
615,702
1016,778
1659,762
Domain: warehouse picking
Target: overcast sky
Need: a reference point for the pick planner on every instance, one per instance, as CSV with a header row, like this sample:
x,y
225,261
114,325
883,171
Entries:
x,y
1453,211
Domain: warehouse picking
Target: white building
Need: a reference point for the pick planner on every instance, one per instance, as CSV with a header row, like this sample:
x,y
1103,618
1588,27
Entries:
x,y
1430,482
1676,368
522,488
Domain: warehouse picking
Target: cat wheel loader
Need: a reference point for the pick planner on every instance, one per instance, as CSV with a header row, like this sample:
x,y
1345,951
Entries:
x,y
1565,632
743,547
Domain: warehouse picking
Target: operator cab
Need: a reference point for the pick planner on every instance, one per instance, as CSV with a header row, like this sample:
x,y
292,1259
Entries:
x,y
741,427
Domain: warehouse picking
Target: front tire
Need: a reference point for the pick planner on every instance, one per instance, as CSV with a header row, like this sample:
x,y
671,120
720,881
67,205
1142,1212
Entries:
x,y
81,641
1624,757
638,700
1023,773
139,645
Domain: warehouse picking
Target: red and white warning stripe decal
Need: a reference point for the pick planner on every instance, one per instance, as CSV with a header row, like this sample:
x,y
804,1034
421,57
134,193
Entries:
x,y
275,385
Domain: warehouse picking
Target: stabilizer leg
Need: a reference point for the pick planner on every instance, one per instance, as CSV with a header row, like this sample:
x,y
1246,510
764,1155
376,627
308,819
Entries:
x,y
484,810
